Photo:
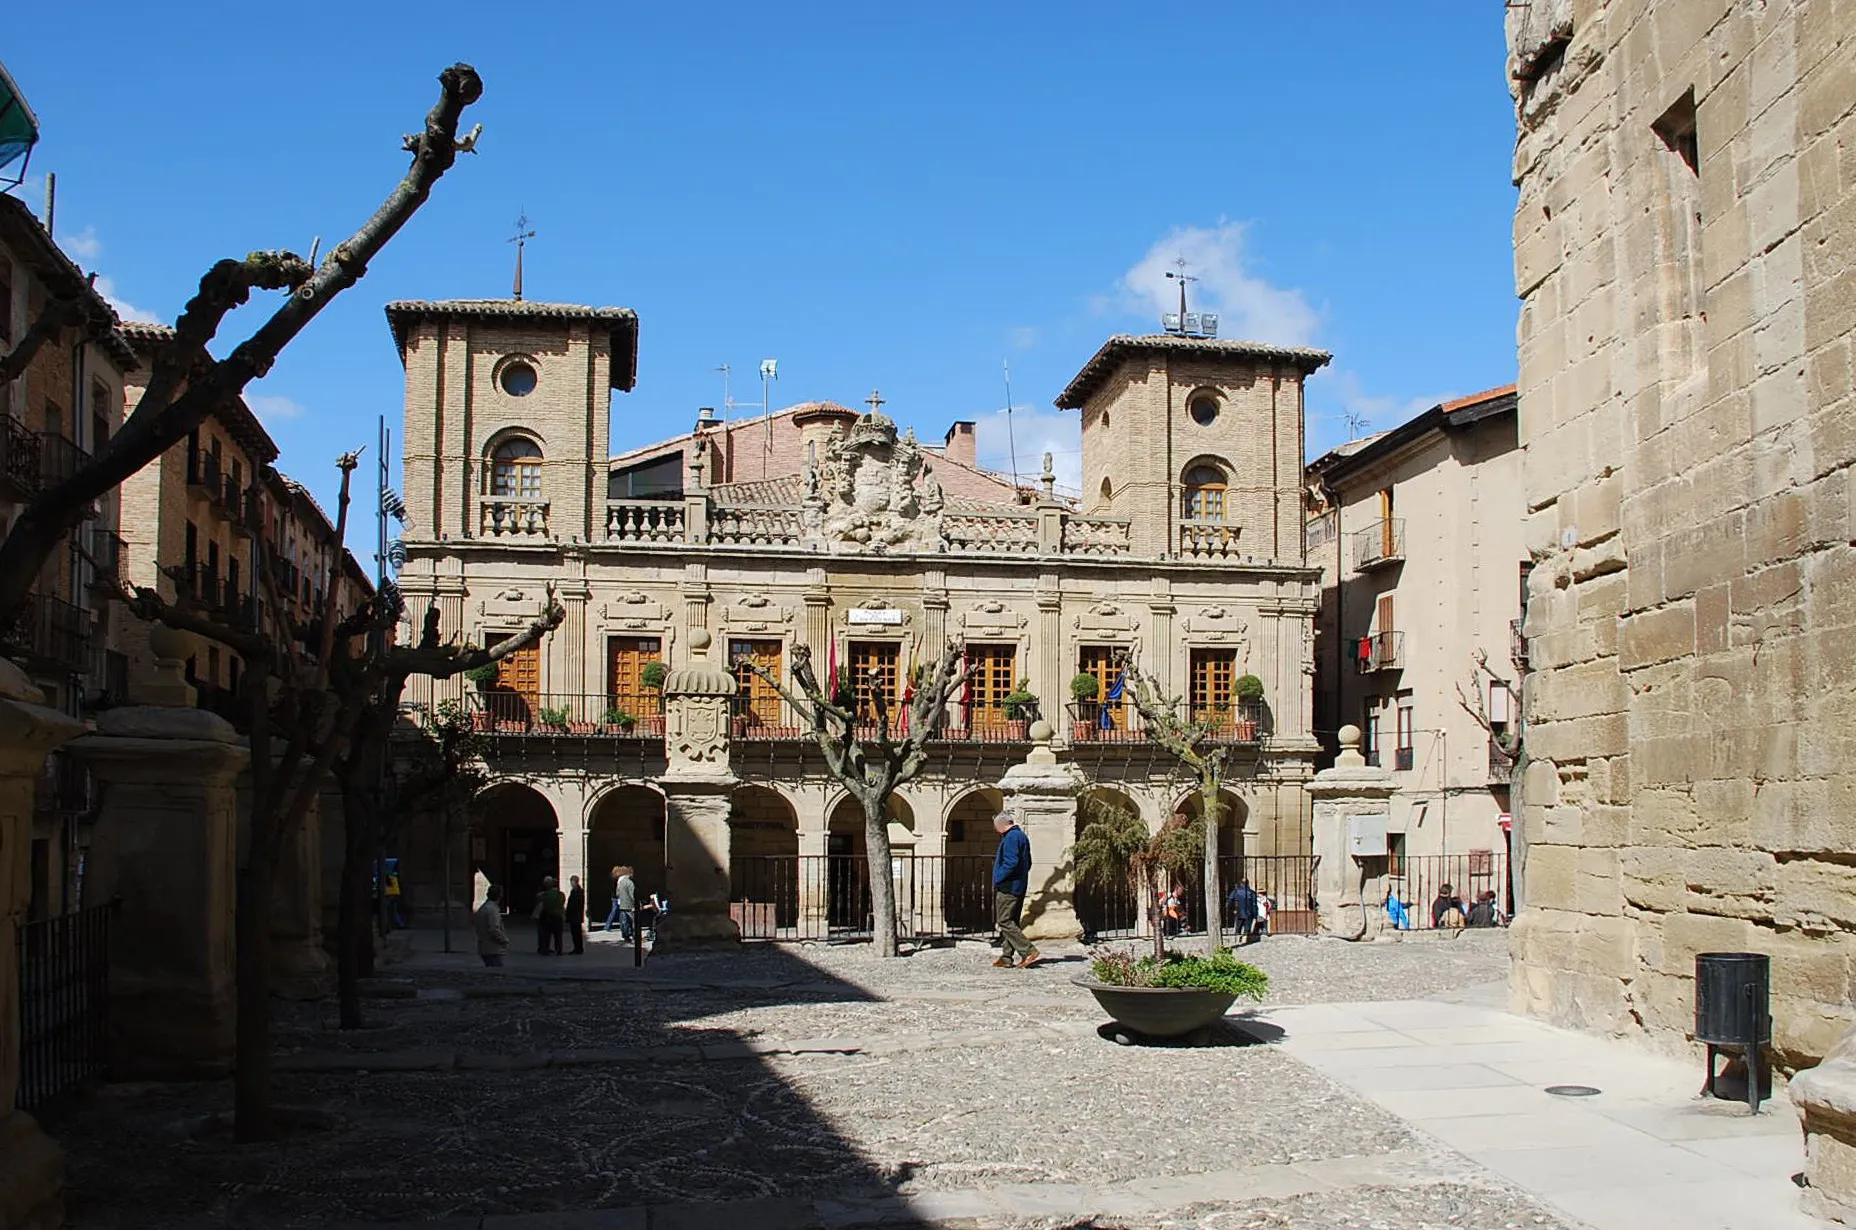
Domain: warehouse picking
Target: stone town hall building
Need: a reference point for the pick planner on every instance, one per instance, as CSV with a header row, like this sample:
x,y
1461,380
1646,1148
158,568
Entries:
x,y
819,526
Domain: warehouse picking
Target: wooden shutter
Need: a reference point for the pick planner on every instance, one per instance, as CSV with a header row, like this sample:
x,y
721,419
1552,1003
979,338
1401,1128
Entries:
x,y
1214,671
1385,613
626,657
756,700
873,668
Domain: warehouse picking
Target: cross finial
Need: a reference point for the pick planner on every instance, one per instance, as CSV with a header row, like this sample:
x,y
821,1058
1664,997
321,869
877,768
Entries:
x,y
520,240
874,401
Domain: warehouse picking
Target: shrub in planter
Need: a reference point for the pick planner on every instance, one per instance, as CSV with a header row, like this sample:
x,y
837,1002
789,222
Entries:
x,y
1171,995
1248,689
1221,972
1021,704
619,720
1085,687
651,674
553,718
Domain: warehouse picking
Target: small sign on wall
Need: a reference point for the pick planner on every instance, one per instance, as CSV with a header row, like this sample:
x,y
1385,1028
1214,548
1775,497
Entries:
x,y
862,615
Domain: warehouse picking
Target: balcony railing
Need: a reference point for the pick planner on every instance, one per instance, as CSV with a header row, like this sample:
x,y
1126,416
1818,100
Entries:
x,y
1243,724
1379,544
59,458
240,507
203,472
1208,540
1087,724
1501,764
106,551
50,631
19,457
501,711
506,516
1517,643
644,521
1382,651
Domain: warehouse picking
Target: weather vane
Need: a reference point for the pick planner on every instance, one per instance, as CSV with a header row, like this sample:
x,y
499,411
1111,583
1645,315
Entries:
x,y
520,240
1181,275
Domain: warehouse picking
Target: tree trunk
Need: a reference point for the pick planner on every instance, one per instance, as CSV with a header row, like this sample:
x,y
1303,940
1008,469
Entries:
x,y
1213,807
251,1075
882,875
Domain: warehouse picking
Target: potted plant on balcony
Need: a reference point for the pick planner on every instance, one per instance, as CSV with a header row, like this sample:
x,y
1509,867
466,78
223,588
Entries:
x,y
652,675
617,722
1084,689
1249,692
484,677
1021,709
553,719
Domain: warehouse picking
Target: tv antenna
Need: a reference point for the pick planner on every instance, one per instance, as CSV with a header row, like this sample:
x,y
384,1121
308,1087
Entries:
x,y
1182,322
1356,424
520,240
1011,441
769,372
728,401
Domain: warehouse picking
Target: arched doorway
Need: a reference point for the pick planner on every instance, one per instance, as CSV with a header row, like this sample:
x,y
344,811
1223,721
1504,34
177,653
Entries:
x,y
626,827
1231,822
515,842
1106,909
847,887
763,863
966,889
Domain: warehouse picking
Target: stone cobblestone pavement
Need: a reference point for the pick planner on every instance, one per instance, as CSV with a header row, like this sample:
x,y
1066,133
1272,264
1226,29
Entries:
x,y
795,1087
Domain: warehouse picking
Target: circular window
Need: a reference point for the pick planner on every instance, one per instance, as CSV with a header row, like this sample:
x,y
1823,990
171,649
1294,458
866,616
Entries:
x,y
1203,408
1107,491
517,379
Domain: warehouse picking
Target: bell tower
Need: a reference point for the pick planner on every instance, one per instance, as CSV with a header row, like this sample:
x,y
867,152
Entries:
x,y
506,416
1198,441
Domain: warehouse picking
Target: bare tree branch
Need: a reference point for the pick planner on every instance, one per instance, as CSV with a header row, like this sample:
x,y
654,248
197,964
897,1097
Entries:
x,y
55,317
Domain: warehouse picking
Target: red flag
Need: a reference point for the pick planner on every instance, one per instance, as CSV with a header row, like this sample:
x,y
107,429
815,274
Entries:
x,y
908,695
831,672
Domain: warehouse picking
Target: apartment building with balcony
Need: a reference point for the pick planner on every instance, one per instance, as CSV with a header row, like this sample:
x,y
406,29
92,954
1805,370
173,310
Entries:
x,y
828,528
53,416
1418,532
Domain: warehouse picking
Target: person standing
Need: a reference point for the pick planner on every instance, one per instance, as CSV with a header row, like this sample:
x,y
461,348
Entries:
x,y
1244,916
492,938
576,915
550,912
612,914
624,901
1011,878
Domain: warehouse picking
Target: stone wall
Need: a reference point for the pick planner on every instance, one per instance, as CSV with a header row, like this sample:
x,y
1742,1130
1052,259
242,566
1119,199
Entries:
x,y
1685,248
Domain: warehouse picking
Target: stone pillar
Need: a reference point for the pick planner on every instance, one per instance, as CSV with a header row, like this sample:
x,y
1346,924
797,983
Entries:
x,y
1043,790
300,964
697,787
32,1173
1826,1098
1350,892
166,846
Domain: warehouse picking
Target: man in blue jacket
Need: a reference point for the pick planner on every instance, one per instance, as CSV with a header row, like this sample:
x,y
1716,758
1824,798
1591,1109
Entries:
x,y
1011,876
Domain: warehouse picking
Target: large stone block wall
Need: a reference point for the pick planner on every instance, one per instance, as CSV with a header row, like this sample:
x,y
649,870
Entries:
x,y
1686,410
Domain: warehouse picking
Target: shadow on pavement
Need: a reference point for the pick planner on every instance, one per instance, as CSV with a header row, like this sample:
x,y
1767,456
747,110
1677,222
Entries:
x,y
468,1102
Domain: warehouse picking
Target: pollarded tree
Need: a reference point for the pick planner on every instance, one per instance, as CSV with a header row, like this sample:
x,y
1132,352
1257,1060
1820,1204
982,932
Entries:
x,y
870,759
186,383
1195,745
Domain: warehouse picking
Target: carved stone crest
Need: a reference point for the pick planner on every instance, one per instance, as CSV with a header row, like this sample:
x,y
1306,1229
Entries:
x,y
1104,619
873,491
1218,625
756,613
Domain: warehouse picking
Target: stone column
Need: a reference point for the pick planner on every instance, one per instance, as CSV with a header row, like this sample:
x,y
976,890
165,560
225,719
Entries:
x,y
1043,790
166,845
32,1173
1350,891
697,787
300,964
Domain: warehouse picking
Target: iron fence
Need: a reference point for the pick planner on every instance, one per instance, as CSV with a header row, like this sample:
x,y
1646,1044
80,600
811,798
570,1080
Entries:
x,y
63,1003
1418,880
1111,912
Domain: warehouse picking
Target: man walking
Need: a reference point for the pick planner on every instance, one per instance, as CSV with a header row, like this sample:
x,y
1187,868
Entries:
x,y
550,912
492,938
576,915
1011,877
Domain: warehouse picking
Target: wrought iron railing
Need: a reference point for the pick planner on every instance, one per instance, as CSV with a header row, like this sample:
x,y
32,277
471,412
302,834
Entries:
x,y
1382,651
504,711
19,456
59,458
50,630
63,1003
1382,542
1517,643
1417,881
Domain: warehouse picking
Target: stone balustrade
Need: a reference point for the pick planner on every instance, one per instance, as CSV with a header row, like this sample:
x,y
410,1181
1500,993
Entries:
x,y
1208,540
750,525
1095,535
506,516
644,521
991,533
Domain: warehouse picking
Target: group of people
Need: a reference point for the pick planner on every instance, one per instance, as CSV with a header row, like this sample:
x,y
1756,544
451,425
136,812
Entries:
x,y
1448,910
559,915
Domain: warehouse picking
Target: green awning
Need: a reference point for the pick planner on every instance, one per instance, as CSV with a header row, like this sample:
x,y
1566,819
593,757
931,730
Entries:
x,y
19,128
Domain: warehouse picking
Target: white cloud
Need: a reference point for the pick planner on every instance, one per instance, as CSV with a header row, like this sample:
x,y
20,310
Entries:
x,y
1034,432
124,309
1024,337
1248,307
272,407
84,247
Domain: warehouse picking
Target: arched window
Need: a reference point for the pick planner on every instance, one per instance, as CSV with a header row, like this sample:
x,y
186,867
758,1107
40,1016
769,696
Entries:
x,y
515,469
1204,494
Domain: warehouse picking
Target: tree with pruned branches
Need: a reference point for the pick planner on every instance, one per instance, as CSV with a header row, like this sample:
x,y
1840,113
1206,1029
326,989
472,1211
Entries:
x,y
871,760
1194,745
186,383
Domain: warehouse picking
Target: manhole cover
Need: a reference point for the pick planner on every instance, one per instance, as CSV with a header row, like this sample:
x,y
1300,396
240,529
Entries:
x,y
1573,1091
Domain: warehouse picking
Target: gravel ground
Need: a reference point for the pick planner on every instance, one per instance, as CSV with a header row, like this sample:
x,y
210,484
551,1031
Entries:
x,y
1437,1206
971,1077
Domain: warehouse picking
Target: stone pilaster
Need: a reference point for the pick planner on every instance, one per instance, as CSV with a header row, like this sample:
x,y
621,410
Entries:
x,y
32,1174
568,645
697,789
166,846
1350,892
818,617
1043,790
1047,665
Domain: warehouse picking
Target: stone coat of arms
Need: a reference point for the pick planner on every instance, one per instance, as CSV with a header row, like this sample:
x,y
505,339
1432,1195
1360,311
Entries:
x,y
873,491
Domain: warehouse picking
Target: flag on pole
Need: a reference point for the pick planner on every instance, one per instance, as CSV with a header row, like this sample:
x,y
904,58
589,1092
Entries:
x,y
831,672
908,694
1112,700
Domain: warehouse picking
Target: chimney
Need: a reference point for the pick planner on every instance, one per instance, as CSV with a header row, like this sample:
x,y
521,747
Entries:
x,y
707,418
959,444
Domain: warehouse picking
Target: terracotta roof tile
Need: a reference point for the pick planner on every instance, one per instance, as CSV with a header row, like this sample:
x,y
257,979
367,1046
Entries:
x,y
1123,344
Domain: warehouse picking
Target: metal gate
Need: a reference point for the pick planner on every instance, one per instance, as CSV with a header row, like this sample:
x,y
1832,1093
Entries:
x,y
63,1003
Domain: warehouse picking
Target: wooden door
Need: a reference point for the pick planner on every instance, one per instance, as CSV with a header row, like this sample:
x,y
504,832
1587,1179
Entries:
x,y
756,700
991,682
626,658
875,666
1214,671
1387,540
517,695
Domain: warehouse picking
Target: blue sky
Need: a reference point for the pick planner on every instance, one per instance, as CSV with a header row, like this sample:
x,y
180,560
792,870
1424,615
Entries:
x,y
877,196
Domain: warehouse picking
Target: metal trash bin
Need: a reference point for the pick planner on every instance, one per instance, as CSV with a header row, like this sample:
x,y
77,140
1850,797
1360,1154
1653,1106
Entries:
x,y
1733,994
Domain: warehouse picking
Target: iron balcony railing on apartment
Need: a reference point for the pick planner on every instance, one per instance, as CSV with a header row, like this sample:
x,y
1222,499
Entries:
x,y
240,506
50,631
59,458
109,677
1243,723
1382,651
203,472
1379,544
504,711
1517,642
19,457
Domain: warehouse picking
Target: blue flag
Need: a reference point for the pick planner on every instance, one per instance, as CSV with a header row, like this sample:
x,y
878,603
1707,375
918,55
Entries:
x,y
1107,720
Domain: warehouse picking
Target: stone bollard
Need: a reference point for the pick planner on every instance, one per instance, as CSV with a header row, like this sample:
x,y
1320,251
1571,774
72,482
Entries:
x,y
697,789
31,1164
1826,1100
1352,797
166,845
1043,790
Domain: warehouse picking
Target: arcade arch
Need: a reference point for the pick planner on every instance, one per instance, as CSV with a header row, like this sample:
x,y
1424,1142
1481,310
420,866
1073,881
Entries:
x,y
515,841
966,889
1105,909
764,867
626,827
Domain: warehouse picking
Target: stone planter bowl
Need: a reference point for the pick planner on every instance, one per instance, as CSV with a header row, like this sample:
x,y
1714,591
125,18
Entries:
x,y
1159,1012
